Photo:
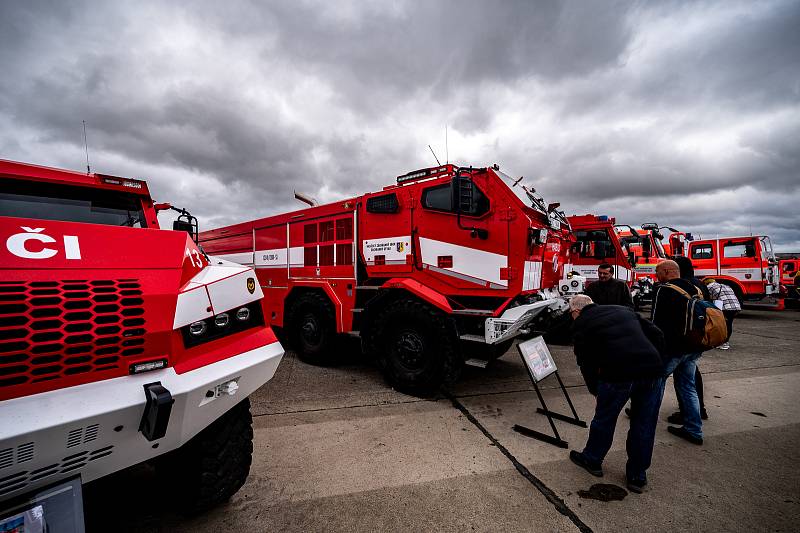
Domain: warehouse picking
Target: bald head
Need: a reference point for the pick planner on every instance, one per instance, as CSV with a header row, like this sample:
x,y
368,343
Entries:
x,y
667,270
577,303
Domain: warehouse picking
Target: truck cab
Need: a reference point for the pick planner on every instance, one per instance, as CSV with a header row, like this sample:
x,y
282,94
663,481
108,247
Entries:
x,y
647,251
597,242
120,342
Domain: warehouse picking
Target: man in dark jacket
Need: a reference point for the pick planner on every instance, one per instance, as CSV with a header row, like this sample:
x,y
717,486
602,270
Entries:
x,y
608,290
669,314
618,354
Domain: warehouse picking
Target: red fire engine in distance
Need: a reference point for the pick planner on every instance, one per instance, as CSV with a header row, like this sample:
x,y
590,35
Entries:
x,y
447,258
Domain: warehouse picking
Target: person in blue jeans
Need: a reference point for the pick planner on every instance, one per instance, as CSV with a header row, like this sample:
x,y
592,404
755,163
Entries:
x,y
618,353
669,314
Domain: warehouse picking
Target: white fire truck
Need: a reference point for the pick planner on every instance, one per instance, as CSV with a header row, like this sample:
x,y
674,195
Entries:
x,y
120,342
447,261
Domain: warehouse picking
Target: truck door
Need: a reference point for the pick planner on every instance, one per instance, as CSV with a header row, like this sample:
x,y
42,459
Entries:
x,y
385,232
788,271
472,253
740,259
704,258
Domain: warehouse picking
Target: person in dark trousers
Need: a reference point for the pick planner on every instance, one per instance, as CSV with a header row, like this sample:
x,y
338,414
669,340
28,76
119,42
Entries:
x,y
687,272
618,354
608,290
669,314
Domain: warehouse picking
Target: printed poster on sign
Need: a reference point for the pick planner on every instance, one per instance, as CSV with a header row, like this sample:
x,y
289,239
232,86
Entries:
x,y
537,357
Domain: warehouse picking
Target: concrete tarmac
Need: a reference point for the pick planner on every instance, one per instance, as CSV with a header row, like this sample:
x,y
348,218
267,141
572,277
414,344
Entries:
x,y
338,450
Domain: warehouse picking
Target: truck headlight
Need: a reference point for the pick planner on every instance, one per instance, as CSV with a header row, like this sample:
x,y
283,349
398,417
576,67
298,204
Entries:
x,y
223,324
198,328
222,320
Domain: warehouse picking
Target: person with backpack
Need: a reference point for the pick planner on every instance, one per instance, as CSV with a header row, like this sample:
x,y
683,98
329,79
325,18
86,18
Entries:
x,y
687,272
730,305
676,306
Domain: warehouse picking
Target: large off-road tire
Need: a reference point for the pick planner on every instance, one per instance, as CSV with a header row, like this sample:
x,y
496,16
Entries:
x,y
213,465
487,352
416,347
311,328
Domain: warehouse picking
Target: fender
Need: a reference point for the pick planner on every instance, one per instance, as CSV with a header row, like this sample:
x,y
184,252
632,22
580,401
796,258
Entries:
x,y
424,292
338,307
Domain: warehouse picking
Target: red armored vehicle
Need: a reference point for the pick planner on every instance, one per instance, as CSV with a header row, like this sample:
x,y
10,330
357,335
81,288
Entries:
x,y
446,261
121,342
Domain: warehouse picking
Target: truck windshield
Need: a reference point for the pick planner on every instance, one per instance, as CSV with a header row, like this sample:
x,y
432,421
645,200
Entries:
x,y
766,248
43,201
530,198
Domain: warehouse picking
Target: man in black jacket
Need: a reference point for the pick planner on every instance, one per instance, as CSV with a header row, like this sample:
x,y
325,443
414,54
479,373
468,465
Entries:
x,y
608,290
669,314
619,356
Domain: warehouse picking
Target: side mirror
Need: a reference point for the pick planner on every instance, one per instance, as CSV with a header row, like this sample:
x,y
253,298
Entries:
x,y
646,249
182,225
632,259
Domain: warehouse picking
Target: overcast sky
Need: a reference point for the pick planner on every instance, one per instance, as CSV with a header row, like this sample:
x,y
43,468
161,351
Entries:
x,y
682,113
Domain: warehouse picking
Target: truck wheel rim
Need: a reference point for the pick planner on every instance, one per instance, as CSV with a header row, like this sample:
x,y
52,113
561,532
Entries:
x,y
311,332
410,350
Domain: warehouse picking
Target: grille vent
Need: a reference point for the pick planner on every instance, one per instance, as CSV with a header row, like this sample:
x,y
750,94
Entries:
x,y
68,464
24,453
82,435
56,329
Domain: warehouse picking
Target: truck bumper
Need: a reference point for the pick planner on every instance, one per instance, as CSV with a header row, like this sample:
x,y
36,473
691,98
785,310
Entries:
x,y
509,324
93,429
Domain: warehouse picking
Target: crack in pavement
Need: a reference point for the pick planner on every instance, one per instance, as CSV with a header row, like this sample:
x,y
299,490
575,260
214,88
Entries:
x,y
546,491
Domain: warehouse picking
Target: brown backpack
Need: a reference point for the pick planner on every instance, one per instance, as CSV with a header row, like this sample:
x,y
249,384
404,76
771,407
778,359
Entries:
x,y
705,326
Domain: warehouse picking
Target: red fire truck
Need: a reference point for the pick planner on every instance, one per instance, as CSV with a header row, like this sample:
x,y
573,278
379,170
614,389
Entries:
x,y
597,242
120,342
746,264
448,258
645,246
790,282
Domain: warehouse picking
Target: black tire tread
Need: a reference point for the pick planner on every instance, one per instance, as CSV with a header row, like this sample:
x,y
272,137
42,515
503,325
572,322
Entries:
x,y
324,308
214,464
449,359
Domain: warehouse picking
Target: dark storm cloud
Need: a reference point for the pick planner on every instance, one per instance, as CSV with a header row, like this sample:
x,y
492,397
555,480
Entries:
x,y
229,107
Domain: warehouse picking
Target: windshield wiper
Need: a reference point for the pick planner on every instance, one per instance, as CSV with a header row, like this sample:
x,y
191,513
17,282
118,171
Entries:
x,y
131,220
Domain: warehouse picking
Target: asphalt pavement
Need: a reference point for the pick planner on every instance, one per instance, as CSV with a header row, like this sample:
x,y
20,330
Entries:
x,y
336,449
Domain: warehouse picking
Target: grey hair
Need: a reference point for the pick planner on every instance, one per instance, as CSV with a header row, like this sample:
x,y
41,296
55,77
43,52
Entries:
x,y
579,301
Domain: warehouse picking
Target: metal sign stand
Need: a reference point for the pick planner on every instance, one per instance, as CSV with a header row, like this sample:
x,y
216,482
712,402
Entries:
x,y
574,419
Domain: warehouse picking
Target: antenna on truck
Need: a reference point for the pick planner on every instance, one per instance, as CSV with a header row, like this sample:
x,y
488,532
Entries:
x,y
434,155
86,146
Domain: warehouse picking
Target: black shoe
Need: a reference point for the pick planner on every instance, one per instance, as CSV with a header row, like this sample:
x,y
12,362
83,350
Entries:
x,y
682,433
636,485
704,413
675,418
579,459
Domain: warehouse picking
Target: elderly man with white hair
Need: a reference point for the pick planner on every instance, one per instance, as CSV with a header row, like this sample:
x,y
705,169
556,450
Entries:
x,y
619,356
